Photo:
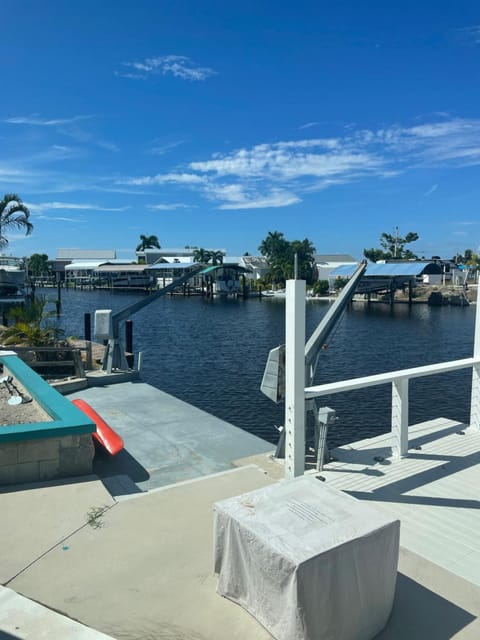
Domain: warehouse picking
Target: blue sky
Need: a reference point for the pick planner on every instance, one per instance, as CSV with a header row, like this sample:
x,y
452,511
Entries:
x,y
211,124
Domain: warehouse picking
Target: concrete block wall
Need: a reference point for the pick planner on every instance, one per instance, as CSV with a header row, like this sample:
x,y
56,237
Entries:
x,y
45,459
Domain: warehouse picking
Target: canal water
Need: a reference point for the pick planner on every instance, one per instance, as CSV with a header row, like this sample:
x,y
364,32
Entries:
x,y
211,353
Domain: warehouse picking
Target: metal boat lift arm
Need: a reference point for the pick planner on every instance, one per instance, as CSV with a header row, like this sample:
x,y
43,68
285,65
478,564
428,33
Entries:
x,y
115,354
273,383
126,312
318,337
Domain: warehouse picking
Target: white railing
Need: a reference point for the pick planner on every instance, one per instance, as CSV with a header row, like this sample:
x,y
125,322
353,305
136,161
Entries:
x,y
399,381
296,393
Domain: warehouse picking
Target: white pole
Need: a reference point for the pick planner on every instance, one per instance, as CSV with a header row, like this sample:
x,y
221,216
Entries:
x,y
400,417
475,399
295,379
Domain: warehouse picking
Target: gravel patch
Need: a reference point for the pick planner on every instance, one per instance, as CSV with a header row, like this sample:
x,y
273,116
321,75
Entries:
x,y
26,412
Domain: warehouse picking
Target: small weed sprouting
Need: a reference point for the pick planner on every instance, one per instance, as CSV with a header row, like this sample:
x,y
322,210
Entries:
x,y
94,516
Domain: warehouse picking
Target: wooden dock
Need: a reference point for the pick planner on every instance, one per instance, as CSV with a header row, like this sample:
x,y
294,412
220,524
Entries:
x,y
434,490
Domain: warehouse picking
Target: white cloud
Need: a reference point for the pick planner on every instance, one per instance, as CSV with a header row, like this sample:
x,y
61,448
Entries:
x,y
35,120
289,160
159,149
176,178
54,153
236,196
279,173
168,207
73,206
60,218
15,176
454,142
109,146
67,127
178,66
308,125
470,35
432,189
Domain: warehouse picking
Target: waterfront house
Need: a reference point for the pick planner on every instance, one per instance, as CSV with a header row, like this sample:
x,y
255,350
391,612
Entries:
x,y
256,267
175,254
67,256
326,263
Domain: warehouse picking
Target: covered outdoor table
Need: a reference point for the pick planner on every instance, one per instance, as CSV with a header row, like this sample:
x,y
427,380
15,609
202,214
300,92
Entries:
x,y
309,562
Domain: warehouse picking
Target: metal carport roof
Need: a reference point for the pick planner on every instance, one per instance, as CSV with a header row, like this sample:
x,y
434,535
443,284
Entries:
x,y
383,270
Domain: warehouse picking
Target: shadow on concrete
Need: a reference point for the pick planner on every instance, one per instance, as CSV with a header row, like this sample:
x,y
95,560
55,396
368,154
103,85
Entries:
x,y
123,464
41,484
8,636
421,613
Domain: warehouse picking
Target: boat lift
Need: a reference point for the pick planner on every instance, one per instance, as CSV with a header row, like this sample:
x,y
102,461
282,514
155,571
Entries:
x,y
273,382
107,324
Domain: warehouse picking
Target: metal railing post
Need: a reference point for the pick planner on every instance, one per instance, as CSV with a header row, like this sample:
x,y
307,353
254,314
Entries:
x,y
295,379
475,397
400,417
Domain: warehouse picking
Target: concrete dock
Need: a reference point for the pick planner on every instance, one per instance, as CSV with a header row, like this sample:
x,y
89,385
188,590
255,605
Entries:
x,y
166,439
135,564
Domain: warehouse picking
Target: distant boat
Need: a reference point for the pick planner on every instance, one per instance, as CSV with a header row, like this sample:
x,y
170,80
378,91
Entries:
x,y
12,276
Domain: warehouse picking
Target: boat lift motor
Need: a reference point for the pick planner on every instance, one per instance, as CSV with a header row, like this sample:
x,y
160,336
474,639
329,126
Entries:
x,y
114,357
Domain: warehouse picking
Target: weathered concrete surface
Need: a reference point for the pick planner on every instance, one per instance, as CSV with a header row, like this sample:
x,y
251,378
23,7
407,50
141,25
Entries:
x,y
166,439
431,603
23,619
147,572
35,518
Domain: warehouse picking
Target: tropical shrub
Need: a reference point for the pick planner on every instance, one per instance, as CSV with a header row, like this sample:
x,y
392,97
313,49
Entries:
x,y
320,288
33,326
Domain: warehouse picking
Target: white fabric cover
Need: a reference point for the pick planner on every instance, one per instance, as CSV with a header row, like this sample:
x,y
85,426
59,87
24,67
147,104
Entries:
x,y
307,561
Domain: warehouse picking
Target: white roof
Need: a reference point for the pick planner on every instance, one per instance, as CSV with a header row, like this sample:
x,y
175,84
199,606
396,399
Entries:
x,y
121,268
86,254
91,265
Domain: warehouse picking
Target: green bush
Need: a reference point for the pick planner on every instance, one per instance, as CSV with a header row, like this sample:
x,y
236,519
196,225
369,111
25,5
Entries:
x,y
320,288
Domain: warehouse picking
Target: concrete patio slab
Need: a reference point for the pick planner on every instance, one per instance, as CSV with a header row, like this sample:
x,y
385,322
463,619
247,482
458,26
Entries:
x,y
36,517
23,619
148,571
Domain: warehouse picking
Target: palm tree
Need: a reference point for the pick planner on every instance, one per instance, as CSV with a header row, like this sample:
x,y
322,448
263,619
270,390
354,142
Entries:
x,y
273,245
148,242
305,251
13,215
201,255
216,257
